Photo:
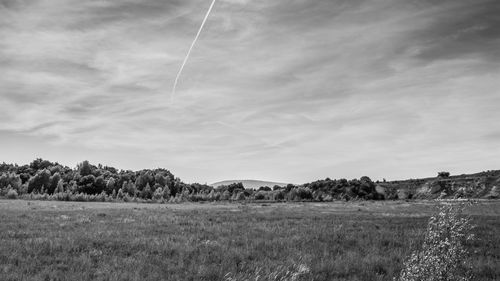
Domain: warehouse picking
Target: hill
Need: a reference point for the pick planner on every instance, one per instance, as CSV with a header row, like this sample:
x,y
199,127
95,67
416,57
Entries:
x,y
249,184
479,185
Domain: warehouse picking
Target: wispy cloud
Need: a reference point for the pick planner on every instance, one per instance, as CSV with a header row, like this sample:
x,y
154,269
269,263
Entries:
x,y
283,90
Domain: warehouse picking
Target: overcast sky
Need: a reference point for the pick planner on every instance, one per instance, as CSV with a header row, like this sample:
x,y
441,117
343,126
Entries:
x,y
283,90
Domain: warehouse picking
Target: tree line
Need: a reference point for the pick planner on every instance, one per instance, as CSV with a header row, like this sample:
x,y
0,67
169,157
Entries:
x,y
43,179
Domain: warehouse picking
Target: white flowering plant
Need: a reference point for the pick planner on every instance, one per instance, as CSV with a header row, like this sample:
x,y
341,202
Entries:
x,y
443,256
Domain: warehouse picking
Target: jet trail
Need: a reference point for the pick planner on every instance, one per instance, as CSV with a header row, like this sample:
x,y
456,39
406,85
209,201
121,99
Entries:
x,y
190,49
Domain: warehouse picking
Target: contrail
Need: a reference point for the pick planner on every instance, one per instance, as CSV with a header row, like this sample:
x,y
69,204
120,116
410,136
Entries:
x,y
190,49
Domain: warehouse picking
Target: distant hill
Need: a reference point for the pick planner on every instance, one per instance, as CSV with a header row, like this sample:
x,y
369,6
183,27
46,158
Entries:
x,y
249,184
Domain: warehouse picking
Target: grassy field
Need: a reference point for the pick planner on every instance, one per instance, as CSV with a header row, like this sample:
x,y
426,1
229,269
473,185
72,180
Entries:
x,y
43,240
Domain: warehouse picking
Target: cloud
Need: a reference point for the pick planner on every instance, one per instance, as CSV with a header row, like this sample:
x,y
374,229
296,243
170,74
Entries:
x,y
271,87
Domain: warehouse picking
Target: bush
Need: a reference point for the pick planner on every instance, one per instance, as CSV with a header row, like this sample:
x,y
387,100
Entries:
x,y
62,196
443,254
12,194
80,197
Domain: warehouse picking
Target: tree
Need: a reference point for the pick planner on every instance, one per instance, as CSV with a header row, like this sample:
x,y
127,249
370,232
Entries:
x,y
158,194
54,180
99,185
110,185
86,184
143,179
170,181
129,188
73,186
10,179
240,196
40,180
60,187
225,195
40,164
443,174
279,195
147,193
289,187
304,193
176,187
120,194
260,195
231,188
366,188
161,180
84,168
166,192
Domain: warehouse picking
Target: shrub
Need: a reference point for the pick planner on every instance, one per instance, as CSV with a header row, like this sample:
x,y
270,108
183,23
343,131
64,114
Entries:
x,y
80,197
101,197
443,254
178,198
12,194
328,198
62,196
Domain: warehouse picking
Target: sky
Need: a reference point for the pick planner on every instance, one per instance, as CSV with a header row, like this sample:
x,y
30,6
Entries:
x,y
282,90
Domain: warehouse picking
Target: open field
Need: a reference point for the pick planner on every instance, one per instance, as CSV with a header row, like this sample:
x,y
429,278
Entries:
x,y
49,240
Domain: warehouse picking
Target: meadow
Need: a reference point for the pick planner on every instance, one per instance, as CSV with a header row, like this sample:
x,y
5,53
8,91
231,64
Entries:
x,y
363,240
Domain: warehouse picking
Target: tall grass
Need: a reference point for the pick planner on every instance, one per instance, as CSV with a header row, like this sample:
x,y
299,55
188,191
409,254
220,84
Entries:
x,y
214,242
294,272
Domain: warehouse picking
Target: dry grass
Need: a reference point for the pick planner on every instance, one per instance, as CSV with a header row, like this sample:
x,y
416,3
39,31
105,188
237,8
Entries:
x,y
335,241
